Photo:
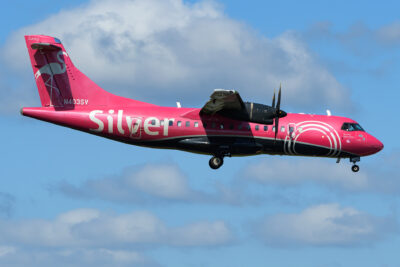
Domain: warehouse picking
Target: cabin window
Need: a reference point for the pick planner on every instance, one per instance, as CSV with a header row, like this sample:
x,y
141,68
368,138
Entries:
x,y
179,123
213,125
231,126
221,126
257,127
153,122
196,124
248,127
291,129
171,123
161,122
282,129
187,123
273,128
240,127
265,128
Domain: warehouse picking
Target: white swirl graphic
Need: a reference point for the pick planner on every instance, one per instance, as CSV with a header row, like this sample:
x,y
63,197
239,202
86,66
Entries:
x,y
326,130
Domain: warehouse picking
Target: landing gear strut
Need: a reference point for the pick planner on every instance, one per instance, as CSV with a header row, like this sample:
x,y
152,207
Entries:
x,y
216,162
355,167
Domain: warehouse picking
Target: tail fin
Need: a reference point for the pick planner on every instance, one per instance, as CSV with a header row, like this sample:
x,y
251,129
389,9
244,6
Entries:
x,y
61,85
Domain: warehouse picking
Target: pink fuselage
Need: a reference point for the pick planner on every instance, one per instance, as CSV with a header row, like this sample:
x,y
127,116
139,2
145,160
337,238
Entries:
x,y
185,129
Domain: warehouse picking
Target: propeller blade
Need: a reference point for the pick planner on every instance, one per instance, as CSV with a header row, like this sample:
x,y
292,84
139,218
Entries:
x,y
278,111
273,100
278,105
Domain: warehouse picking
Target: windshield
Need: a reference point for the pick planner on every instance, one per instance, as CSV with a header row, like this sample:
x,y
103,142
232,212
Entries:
x,y
350,127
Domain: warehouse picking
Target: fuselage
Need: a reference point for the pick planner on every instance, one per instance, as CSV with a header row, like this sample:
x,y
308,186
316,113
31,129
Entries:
x,y
225,126
185,129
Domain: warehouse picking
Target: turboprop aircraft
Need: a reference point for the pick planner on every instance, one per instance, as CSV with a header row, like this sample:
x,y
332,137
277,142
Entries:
x,y
224,126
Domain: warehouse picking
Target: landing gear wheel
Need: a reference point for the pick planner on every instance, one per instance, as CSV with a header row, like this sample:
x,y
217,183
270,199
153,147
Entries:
x,y
355,168
216,162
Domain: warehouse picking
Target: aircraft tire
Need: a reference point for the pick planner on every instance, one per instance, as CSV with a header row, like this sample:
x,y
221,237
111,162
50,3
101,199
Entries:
x,y
355,168
216,162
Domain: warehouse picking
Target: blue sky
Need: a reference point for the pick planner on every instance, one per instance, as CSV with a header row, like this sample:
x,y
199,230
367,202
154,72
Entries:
x,y
71,199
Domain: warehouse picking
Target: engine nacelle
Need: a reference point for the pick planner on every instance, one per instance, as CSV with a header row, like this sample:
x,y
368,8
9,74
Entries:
x,y
259,113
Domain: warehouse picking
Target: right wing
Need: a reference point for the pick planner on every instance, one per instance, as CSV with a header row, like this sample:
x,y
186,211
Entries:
x,y
223,100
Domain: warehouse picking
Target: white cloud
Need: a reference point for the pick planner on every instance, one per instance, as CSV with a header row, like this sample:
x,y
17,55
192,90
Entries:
x,y
81,228
322,225
380,176
150,183
361,39
165,181
144,183
293,171
75,257
164,50
389,34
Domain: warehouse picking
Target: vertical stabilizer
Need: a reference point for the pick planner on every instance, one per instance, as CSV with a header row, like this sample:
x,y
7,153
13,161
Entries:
x,y
60,84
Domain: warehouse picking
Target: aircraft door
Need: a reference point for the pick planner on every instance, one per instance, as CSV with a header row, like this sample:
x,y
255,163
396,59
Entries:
x,y
291,130
135,127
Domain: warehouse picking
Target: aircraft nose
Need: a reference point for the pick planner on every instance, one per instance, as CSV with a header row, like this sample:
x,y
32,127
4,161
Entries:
x,y
375,144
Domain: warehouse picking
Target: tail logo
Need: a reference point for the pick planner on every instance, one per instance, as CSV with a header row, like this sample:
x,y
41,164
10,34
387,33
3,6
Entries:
x,y
52,69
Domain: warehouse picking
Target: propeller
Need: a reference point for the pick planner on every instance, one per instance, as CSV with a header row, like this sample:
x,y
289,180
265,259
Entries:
x,y
278,112
273,100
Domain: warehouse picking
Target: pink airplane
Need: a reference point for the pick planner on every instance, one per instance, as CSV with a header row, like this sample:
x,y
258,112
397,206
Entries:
x,y
224,126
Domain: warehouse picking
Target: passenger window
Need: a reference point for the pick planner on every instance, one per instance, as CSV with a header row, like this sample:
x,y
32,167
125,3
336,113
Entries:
x,y
291,129
187,123
231,126
257,127
221,126
153,122
179,123
213,125
196,124
265,128
248,127
171,123
161,122
282,129
273,128
240,127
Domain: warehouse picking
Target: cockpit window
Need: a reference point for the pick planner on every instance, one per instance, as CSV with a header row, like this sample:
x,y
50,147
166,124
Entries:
x,y
351,127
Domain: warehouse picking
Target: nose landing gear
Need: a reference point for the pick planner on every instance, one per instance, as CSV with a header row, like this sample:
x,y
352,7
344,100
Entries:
x,y
355,167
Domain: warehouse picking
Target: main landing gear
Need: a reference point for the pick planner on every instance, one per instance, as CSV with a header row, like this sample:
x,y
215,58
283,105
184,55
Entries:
x,y
355,167
216,162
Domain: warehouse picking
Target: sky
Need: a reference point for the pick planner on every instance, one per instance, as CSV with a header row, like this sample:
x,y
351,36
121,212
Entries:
x,y
72,199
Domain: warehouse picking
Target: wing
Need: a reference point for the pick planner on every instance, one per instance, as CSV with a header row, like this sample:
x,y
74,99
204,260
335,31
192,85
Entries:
x,y
228,103
222,101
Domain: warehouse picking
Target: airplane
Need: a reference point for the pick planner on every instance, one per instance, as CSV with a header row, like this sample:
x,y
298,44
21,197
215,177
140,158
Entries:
x,y
225,126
